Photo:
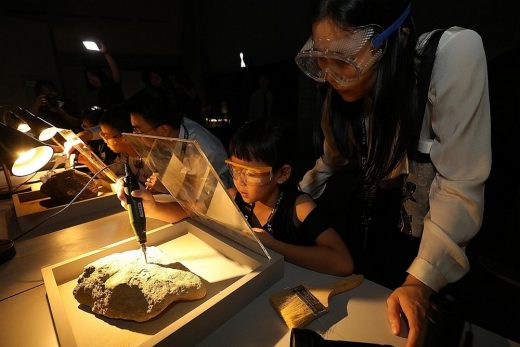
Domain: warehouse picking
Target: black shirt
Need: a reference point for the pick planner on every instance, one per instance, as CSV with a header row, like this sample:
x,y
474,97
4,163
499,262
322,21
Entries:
x,y
282,224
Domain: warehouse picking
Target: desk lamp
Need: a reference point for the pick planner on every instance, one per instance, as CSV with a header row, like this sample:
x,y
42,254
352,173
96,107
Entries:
x,y
39,127
21,155
9,118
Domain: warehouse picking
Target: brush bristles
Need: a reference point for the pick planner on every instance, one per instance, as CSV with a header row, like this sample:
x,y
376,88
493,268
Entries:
x,y
293,310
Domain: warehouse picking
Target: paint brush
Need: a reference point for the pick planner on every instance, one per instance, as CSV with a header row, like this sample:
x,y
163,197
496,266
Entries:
x,y
300,305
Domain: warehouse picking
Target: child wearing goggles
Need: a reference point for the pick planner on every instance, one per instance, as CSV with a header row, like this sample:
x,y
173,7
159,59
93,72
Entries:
x,y
285,219
410,117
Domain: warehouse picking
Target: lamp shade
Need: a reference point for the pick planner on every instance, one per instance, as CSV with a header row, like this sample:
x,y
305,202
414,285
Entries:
x,y
21,153
10,119
39,127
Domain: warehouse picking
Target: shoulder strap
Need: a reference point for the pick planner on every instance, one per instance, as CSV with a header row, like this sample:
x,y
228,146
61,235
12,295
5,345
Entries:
x,y
424,74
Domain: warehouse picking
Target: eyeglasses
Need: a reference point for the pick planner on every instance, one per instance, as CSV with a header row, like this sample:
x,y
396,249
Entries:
x,y
140,132
110,139
250,175
345,59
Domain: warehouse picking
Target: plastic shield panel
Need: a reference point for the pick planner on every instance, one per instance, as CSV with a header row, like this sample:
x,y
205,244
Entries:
x,y
184,170
73,140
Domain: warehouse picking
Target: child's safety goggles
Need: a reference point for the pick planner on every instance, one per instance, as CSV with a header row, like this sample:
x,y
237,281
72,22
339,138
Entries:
x,y
346,59
250,175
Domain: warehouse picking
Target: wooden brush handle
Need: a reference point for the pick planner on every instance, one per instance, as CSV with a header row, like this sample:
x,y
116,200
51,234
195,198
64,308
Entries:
x,y
345,284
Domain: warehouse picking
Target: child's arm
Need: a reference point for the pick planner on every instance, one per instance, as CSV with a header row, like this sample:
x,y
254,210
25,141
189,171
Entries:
x,y
170,212
329,255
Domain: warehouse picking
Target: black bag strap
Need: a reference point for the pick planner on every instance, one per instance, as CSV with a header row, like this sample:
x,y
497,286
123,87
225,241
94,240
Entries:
x,y
424,75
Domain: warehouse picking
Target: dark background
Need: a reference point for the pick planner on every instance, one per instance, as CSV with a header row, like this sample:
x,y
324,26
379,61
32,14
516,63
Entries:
x,y
203,39
42,40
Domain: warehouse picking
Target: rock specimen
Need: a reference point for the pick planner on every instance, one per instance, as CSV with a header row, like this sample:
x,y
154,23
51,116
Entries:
x,y
123,286
63,186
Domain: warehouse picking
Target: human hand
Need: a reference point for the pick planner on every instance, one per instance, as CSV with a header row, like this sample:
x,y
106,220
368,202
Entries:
x,y
263,236
69,147
82,159
147,197
413,299
102,47
151,181
39,103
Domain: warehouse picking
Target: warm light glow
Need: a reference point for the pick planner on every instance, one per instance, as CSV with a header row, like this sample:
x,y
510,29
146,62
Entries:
x,y
91,45
23,127
47,133
67,146
32,160
242,63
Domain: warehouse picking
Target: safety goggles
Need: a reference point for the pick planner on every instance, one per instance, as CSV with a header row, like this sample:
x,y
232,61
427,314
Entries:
x,y
347,58
250,175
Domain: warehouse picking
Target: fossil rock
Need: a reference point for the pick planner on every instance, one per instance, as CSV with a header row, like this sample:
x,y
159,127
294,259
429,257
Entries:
x,y
123,286
63,186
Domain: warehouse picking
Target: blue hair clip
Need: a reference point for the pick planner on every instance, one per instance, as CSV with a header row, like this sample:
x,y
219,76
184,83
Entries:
x,y
378,40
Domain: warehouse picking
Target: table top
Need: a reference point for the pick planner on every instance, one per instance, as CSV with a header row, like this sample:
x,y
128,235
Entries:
x,y
26,319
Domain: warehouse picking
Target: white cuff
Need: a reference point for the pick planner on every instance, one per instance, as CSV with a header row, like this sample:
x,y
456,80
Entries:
x,y
440,259
315,180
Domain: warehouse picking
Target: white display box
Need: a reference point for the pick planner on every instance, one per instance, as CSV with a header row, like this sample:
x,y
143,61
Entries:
x,y
216,243
234,276
29,211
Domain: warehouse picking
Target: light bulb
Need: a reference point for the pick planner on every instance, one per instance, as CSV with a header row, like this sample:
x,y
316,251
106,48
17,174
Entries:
x,y
91,45
242,63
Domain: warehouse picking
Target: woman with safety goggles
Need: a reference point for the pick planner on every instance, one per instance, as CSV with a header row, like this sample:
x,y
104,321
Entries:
x,y
421,160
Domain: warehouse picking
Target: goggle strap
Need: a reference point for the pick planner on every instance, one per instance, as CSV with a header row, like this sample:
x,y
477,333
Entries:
x,y
378,40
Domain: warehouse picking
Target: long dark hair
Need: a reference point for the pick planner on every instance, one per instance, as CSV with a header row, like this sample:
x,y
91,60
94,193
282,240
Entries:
x,y
393,108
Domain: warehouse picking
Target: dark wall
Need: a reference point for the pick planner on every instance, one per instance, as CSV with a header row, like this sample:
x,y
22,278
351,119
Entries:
x,y
202,37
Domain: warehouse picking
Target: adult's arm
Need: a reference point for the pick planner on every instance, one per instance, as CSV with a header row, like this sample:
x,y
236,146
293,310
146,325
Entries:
x,y
315,180
461,154
114,68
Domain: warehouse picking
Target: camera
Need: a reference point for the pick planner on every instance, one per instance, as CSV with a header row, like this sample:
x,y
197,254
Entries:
x,y
52,101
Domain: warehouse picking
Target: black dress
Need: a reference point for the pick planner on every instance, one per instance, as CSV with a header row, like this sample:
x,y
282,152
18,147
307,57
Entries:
x,y
382,253
282,224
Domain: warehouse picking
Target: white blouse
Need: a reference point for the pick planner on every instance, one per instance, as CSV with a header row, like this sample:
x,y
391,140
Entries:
x,y
457,119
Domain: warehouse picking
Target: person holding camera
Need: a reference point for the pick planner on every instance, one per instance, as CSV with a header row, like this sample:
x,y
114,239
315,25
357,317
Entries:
x,y
53,108
108,88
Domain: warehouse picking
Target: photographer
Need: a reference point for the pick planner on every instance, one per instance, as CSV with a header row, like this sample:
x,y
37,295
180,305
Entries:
x,y
109,92
54,108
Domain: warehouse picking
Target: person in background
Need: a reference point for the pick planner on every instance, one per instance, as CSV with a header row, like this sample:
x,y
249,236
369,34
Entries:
x,y
157,83
188,96
284,219
363,52
112,148
109,92
261,100
159,116
90,124
54,108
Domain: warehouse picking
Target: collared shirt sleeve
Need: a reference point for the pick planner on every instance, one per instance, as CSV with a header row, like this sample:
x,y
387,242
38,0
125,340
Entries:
x,y
315,180
212,147
461,154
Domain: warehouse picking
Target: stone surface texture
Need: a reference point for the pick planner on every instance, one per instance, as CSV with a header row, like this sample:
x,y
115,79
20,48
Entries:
x,y
124,286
